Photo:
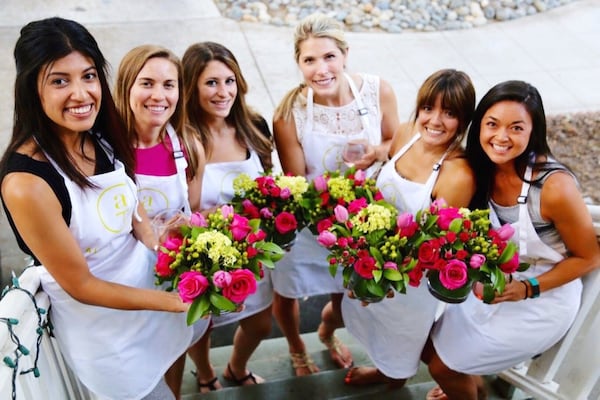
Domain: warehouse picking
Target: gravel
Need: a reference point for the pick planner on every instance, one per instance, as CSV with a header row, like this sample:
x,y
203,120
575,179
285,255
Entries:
x,y
574,138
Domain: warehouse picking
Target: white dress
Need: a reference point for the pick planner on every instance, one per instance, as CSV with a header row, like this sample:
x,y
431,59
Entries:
x,y
394,331
217,189
478,338
322,132
117,354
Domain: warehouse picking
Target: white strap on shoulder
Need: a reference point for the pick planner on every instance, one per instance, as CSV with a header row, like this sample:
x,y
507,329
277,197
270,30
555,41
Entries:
x,y
180,164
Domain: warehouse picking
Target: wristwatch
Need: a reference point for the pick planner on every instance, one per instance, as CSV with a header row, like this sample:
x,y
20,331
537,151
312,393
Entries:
x,y
535,287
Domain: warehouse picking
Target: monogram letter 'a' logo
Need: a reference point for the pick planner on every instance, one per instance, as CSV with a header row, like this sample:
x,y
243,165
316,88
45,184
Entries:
x,y
115,207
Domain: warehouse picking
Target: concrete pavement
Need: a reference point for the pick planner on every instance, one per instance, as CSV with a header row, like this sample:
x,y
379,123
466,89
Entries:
x,y
558,51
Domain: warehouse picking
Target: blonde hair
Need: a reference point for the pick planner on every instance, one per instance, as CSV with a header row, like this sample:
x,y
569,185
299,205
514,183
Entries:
x,y
313,26
129,69
241,116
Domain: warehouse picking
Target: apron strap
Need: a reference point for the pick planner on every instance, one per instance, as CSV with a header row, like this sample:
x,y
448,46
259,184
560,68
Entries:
x,y
522,200
181,165
362,110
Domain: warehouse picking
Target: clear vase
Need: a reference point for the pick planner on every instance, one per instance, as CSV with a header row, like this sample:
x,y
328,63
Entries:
x,y
359,290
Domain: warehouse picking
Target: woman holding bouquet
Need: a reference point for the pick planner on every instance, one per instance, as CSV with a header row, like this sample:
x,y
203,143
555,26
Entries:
x,y
524,186
70,197
312,124
236,140
169,158
427,163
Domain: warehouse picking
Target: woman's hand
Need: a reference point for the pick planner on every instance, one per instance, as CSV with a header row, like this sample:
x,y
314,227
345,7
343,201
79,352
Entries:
x,y
514,290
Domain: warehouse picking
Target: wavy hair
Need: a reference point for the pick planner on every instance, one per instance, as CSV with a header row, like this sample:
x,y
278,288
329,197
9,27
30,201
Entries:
x,y
241,116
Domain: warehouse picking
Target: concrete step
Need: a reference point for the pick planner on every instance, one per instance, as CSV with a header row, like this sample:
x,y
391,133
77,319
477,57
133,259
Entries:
x,y
271,361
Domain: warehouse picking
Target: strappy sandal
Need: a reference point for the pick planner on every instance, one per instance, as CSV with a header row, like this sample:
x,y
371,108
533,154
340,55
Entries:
x,y
210,385
303,360
334,344
240,381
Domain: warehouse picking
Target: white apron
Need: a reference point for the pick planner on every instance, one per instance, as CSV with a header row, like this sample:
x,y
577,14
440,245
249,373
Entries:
x,y
158,193
297,275
478,338
217,189
115,353
394,331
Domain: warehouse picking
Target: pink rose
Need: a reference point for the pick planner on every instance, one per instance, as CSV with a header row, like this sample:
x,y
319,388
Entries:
x,y
257,236
357,205
266,213
197,219
285,222
320,183
341,214
243,284
454,274
510,266
192,284
173,243
359,177
428,252
404,220
251,252
326,239
390,265
221,279
477,260
343,242
506,231
163,265
285,193
249,209
239,227
446,216
226,211
437,204
364,267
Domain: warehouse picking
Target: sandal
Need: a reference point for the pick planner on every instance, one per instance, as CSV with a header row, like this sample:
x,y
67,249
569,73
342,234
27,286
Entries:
x,y
436,394
334,345
303,360
240,381
210,385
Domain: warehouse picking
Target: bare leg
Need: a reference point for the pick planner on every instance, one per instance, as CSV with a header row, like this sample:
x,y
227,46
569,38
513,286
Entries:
x,y
287,314
455,385
174,376
370,376
199,353
248,336
331,319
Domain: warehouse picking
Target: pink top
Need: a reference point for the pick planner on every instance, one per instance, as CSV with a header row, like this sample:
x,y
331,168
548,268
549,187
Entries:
x,y
156,160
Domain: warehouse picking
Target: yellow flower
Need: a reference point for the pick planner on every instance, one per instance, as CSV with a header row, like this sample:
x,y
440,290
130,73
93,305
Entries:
x,y
372,218
217,246
298,185
243,184
341,188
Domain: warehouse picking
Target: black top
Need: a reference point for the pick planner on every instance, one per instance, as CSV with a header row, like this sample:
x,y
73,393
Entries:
x,y
22,163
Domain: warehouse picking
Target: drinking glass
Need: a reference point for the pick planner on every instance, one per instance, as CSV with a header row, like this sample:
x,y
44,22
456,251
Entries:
x,y
352,152
168,221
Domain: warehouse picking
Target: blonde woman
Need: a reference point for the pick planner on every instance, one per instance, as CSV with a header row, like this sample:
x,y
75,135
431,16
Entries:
x,y
312,124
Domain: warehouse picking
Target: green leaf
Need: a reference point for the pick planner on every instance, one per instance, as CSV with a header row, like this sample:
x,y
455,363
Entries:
x,y
333,269
488,293
375,289
455,225
523,267
221,302
392,275
508,253
269,247
377,275
377,255
198,309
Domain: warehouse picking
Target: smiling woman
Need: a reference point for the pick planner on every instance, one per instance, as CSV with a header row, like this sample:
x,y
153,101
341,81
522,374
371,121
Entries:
x,y
68,154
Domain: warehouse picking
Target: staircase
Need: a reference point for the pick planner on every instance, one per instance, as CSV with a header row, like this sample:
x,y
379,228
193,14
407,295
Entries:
x,y
271,361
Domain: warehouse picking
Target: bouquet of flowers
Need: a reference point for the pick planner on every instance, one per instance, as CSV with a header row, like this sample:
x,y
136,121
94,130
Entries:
x,y
375,247
275,201
462,248
214,262
331,189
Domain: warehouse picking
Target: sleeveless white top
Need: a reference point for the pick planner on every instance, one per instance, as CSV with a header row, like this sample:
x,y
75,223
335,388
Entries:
x,y
394,331
478,338
118,354
217,189
322,132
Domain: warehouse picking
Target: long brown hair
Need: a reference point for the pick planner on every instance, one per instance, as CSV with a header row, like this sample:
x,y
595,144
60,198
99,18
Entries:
x,y
244,119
